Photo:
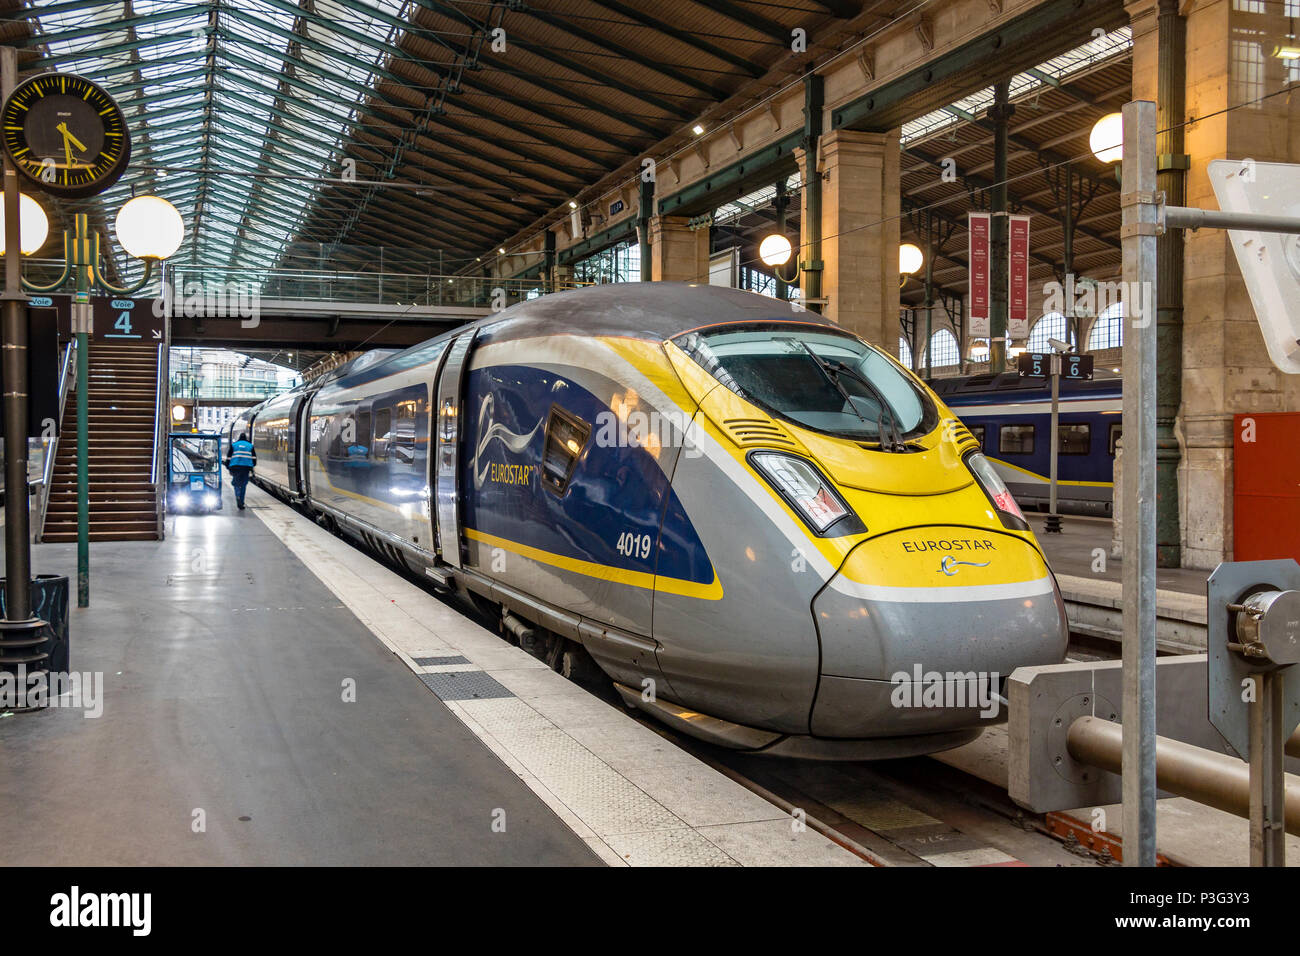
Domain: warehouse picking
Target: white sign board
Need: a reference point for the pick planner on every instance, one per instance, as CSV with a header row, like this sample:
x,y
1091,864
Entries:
x,y
1269,261
724,268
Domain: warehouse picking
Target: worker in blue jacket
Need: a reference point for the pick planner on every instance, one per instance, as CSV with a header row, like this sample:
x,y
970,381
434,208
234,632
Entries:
x,y
241,459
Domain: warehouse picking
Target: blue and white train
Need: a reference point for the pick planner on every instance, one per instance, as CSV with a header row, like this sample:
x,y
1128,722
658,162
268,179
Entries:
x,y
1011,419
763,530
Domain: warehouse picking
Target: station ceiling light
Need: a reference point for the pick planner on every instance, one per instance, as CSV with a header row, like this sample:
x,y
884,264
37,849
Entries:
x,y
33,226
502,250
1107,138
178,413
149,227
697,129
910,259
572,204
775,250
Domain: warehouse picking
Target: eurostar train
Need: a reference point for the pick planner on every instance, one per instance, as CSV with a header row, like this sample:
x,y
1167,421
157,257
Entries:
x,y
766,532
1011,419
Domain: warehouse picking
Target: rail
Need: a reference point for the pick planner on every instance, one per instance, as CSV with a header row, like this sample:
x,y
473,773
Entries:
x,y
67,378
225,290
159,417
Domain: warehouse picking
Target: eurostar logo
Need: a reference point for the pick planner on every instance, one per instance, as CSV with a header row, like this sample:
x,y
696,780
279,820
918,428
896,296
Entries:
x,y
950,565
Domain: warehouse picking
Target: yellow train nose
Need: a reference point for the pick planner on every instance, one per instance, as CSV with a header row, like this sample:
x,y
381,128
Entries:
x,y
961,607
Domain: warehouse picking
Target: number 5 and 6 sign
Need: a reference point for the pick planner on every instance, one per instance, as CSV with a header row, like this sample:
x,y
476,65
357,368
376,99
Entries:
x,y
126,320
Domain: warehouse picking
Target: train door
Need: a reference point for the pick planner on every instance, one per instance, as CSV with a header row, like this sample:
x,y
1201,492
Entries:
x,y
291,447
446,460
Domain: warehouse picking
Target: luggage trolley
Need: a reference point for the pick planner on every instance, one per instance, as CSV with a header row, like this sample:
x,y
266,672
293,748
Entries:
x,y
193,472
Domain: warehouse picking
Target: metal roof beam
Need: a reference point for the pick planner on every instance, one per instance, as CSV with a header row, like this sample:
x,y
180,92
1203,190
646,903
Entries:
x,y
670,72
749,18
116,26
751,69
542,52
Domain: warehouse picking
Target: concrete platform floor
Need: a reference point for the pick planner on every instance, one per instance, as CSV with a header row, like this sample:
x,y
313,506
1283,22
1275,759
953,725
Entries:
x,y
225,738
1073,552
226,651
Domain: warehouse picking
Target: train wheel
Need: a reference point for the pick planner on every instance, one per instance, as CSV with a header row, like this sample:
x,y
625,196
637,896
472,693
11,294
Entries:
x,y
575,664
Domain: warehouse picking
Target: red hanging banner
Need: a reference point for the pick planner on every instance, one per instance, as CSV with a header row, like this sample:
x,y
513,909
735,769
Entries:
x,y
1018,277
978,247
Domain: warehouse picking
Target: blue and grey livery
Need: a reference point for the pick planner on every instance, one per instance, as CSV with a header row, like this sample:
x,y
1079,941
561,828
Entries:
x,y
764,531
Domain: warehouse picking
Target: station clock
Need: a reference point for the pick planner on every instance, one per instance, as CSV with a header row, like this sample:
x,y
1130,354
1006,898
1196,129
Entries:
x,y
65,134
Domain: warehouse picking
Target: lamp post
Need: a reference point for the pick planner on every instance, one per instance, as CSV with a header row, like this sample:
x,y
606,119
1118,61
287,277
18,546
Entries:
x,y
910,261
150,229
23,228
775,251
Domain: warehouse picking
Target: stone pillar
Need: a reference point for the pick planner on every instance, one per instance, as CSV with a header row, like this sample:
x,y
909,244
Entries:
x,y
860,233
678,253
1226,369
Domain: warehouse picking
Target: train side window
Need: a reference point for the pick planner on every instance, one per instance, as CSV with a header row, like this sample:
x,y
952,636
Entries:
x,y
1016,439
360,446
1116,432
1074,438
566,437
383,432
978,432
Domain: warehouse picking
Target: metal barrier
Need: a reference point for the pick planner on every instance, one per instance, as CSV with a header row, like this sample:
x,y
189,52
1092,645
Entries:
x,y
1227,718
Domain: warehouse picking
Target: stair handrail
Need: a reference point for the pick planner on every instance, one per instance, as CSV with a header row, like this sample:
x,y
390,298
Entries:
x,y
67,379
159,400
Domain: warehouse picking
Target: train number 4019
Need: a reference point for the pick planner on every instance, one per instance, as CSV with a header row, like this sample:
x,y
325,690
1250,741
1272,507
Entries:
x,y
633,545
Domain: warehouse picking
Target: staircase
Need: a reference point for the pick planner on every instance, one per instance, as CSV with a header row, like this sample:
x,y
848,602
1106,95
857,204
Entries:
x,y
122,401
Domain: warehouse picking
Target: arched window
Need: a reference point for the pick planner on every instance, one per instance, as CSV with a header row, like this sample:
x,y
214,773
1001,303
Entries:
x,y
943,349
1053,325
904,352
1108,331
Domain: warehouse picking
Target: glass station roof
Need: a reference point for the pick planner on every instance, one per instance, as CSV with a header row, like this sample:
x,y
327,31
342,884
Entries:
x,y
203,85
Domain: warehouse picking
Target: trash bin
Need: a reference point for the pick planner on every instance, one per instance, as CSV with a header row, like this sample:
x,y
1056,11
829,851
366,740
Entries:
x,y
50,604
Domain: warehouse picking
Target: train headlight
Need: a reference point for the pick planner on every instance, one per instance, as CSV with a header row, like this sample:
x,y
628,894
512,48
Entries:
x,y
807,491
210,501
998,492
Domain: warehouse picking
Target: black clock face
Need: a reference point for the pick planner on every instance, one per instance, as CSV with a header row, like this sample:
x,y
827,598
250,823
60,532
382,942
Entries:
x,y
65,134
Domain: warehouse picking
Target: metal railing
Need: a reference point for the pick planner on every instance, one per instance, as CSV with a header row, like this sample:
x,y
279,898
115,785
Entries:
x,y
238,286
67,378
161,415
184,385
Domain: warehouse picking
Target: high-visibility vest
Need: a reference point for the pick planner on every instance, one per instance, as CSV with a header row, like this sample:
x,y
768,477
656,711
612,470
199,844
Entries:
x,y
241,454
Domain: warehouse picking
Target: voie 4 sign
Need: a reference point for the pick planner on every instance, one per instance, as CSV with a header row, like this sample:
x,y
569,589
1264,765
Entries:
x,y
125,320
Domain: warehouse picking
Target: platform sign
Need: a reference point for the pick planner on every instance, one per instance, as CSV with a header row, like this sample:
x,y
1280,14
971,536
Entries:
x,y
1018,277
1269,261
978,235
1074,367
42,369
126,320
55,310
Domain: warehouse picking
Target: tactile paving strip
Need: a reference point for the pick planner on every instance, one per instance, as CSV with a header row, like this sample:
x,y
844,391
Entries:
x,y
465,685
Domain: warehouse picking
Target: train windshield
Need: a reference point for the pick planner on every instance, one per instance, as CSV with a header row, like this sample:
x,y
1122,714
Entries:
x,y
827,381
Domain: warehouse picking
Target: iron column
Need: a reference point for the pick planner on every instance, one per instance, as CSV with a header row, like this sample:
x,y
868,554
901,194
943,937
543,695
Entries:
x,y
1172,180
18,555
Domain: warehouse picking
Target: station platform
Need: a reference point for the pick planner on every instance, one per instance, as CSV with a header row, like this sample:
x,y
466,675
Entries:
x,y
228,654
1089,578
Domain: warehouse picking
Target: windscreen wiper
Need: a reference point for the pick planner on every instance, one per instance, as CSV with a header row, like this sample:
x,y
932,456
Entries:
x,y
829,373
895,437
